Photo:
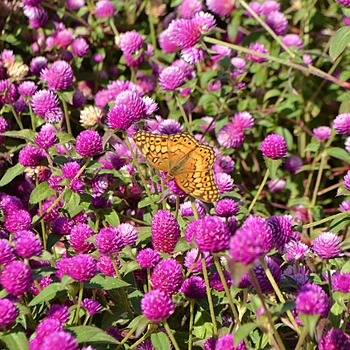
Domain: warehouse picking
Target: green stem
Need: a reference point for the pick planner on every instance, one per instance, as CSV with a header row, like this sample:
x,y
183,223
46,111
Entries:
x,y
170,335
151,25
301,339
329,218
194,208
66,115
190,329
80,298
183,113
130,333
319,178
259,190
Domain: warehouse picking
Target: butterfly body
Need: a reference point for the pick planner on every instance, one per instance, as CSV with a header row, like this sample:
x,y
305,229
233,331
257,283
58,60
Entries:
x,y
183,158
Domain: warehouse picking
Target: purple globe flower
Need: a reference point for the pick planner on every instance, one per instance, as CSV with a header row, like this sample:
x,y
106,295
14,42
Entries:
x,y
109,240
104,9
189,8
58,312
256,7
221,7
46,137
342,123
43,283
311,300
171,78
231,136
37,64
62,226
6,252
127,233
165,43
16,278
322,133
293,164
165,231
133,101
212,234
334,338
169,127
347,180
341,281
60,340
227,342
82,267
223,164
47,326
78,236
274,146
190,229
18,220
224,182
30,156
39,17
167,276
105,265
243,119
75,4
89,143
257,47
292,40
226,207
261,277
186,209
120,117
70,170
59,76
27,88
10,204
130,42
327,245
45,105
157,306
278,22
269,6
27,245
295,251
276,185
92,306
194,287
282,230
344,2
147,258
80,47
215,281
193,260
78,99
184,33
8,312
344,206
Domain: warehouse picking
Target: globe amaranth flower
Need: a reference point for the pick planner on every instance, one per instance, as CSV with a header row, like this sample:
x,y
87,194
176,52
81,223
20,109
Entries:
x,y
226,342
194,287
82,267
9,204
216,283
223,164
347,180
165,43
334,338
170,127
37,18
70,170
58,312
171,78
120,117
130,42
311,300
77,186
59,76
8,312
282,230
109,240
212,234
292,40
27,245
105,265
322,133
341,281
147,258
327,245
165,231
243,119
221,7
157,306
16,278
80,47
193,54
344,2
127,233
78,236
293,164
90,116
78,99
46,137
37,64
43,283
6,252
224,182
55,183
344,206
276,185
189,8
263,281
277,21
30,156
62,226
104,9
167,276
256,7
231,135
75,4
190,229
47,326
18,220
226,207
89,143
59,340
295,251
27,88
221,51
8,91
92,306
259,48
342,123
210,344
193,260
133,101
274,146
45,105
269,6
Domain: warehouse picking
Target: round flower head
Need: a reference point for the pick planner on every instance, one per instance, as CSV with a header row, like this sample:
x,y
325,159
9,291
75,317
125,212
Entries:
x,y
221,7
347,180
276,185
130,42
193,260
165,231
344,206
342,123
311,300
293,164
157,306
212,234
322,133
16,278
341,282
45,105
223,164
109,240
27,245
37,64
327,245
292,40
231,136
58,312
165,43
256,7
46,137
8,312
120,117
282,230
194,287
261,277
193,54
243,119
89,143
18,220
127,233
184,33
224,182
269,6
43,283
82,267
30,156
104,9
75,4
80,47
37,18
147,258
189,8
334,338
274,146
167,276
215,281
62,226
78,99
59,76
78,236
190,229
295,251
277,21
171,78
6,252
226,342
47,326
63,38
59,341
133,101
257,47
105,265
27,88
169,127
70,170
92,306
221,51
344,2
226,207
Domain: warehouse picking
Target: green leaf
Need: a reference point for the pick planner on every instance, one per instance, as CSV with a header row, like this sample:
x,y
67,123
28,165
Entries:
x,y
89,334
339,153
41,192
273,165
111,216
25,134
339,42
206,77
11,173
63,137
52,291
160,341
15,341
317,212
312,147
232,27
71,200
342,191
105,282
339,223
346,267
243,332
272,93
309,321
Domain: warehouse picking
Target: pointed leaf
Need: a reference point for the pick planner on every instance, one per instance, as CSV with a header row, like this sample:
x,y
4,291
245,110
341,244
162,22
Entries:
x,y
89,334
160,341
41,192
52,291
25,134
15,341
339,42
273,165
11,173
243,332
309,321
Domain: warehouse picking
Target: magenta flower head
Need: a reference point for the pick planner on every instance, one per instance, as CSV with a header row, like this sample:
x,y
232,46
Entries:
x,y
189,8
194,262
260,48
311,300
224,182
8,312
167,276
18,220
45,105
16,278
6,252
227,342
62,226
47,326
165,231
80,47
295,251
105,265
223,164
82,267
157,306
327,245
171,78
91,305
231,135
58,312
59,76
334,338
344,206
70,170
37,64
109,240
261,277
89,143
293,164
341,281
147,258
104,9
27,245
344,2
194,287
322,133
186,209
130,42
127,233
75,4
30,156
278,22
165,43
347,180
27,88
78,236
292,40
59,340
120,117
282,230
274,146
63,38
269,6
221,7
46,137
342,123
183,33
212,234
226,207
133,101
215,281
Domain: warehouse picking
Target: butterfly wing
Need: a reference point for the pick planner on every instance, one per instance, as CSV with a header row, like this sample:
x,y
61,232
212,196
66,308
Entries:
x,y
154,148
180,148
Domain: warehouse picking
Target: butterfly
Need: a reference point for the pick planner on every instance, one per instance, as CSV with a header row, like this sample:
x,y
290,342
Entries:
x,y
183,158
